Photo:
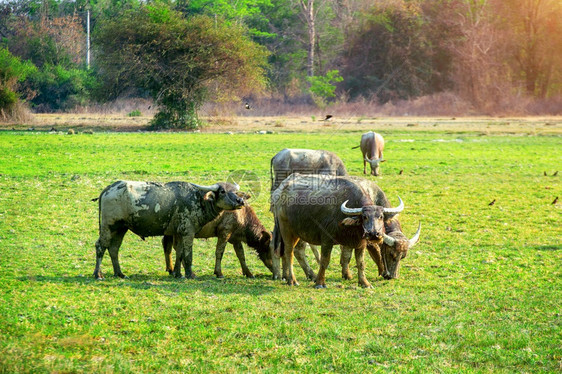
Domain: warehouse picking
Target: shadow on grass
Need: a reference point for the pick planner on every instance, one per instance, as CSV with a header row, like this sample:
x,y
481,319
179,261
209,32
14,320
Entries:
x,y
260,285
548,247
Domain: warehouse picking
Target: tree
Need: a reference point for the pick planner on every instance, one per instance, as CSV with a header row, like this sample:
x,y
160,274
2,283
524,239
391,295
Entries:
x,y
308,13
535,34
389,56
176,58
12,72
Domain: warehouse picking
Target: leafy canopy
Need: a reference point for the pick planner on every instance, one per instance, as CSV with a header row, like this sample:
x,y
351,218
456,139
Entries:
x,y
176,58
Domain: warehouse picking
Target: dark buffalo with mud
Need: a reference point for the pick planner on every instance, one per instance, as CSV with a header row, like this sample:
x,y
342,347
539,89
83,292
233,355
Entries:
x,y
176,209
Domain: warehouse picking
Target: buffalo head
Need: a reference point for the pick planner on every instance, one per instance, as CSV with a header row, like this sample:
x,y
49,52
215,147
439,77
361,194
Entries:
x,y
395,247
375,165
264,250
371,217
225,196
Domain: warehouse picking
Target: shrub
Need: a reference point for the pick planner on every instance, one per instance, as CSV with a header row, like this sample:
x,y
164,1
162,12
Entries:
x,y
59,88
12,72
322,88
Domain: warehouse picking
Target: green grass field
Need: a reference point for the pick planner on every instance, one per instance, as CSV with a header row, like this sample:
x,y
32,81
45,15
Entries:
x,y
481,292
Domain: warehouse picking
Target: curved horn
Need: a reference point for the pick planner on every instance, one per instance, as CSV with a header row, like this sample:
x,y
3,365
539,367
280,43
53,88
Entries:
x,y
349,211
215,187
398,209
389,240
236,186
374,160
415,238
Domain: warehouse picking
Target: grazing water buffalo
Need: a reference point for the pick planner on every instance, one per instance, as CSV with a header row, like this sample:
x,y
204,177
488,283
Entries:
x,y
234,227
395,242
372,145
316,209
304,161
175,209
379,198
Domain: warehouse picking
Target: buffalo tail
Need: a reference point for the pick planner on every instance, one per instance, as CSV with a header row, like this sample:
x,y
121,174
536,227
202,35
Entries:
x,y
278,245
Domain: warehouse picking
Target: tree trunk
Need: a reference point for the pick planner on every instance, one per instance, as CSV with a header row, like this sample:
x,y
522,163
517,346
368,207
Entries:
x,y
310,17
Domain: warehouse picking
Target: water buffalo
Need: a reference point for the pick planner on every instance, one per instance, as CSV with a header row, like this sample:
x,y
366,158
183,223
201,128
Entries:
x,y
379,198
372,145
176,209
316,209
394,242
304,161
234,227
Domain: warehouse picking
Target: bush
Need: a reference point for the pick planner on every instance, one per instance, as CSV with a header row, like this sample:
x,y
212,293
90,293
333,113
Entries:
x,y
135,113
12,72
322,88
59,88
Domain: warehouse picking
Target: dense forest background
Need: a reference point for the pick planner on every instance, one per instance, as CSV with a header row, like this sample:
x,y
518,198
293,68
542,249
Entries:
x,y
493,56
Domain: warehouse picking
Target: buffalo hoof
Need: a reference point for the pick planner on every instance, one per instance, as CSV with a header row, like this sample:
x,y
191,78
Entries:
x,y
122,276
219,275
365,285
347,276
319,286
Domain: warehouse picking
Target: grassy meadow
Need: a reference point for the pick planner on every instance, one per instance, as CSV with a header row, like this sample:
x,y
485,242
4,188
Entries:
x,y
481,291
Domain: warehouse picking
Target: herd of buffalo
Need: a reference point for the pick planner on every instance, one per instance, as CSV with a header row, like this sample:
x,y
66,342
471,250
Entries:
x,y
313,200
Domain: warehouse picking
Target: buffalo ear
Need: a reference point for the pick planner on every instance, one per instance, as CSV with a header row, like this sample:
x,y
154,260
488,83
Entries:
x,y
349,221
383,160
243,195
209,196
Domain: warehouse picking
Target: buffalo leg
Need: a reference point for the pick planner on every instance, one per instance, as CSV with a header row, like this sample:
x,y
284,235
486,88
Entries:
x,y
289,242
300,254
179,256
219,252
324,262
291,279
375,253
276,265
315,252
239,249
345,258
364,165
100,250
114,244
187,250
360,260
167,243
